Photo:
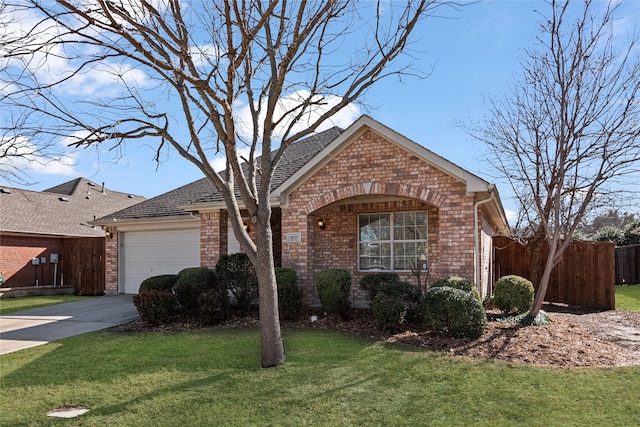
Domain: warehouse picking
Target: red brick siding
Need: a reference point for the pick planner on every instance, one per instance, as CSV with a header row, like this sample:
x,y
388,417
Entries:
x,y
213,237
390,171
337,245
16,253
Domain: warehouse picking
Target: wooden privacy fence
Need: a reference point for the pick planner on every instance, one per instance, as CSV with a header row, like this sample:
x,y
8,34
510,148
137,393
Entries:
x,y
83,265
584,277
628,265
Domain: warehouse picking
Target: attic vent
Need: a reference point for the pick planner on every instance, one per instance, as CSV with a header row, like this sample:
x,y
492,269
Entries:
x,y
3,191
63,199
91,184
130,196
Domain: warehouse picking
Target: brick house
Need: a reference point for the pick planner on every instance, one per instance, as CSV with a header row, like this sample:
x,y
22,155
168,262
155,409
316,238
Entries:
x,y
35,224
365,199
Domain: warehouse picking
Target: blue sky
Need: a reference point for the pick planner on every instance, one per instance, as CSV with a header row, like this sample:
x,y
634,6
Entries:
x,y
474,53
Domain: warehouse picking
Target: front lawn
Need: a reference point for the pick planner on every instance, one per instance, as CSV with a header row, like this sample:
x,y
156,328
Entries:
x,y
212,377
11,305
628,297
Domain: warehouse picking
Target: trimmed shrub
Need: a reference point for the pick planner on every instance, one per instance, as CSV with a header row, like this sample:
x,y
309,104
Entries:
x,y
390,311
164,282
458,283
396,305
213,306
155,306
289,294
239,277
513,294
453,312
371,282
193,282
333,290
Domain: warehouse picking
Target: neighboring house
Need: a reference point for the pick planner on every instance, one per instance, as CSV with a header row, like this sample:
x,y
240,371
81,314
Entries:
x,y
636,231
33,225
365,199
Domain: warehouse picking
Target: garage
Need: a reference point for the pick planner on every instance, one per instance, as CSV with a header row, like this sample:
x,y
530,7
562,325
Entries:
x,y
151,253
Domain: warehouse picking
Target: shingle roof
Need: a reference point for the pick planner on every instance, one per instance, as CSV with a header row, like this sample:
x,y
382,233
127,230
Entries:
x,y
202,191
63,210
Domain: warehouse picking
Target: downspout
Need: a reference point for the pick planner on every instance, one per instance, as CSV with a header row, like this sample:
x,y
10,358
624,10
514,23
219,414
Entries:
x,y
476,237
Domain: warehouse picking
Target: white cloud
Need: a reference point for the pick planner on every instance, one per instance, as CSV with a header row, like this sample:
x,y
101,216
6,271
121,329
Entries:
x,y
289,105
220,163
511,215
50,62
343,119
19,154
202,55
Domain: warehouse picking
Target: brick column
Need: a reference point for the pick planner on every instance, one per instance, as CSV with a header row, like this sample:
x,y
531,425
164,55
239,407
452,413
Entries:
x,y
298,255
111,263
213,237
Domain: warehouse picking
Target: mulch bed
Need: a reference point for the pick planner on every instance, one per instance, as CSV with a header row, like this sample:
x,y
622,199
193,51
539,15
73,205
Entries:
x,y
575,337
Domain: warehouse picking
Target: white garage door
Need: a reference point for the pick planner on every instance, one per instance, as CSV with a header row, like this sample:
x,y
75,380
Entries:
x,y
152,253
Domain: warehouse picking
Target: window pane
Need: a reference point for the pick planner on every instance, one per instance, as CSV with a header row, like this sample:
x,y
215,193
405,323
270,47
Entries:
x,y
408,254
375,256
410,225
374,227
377,250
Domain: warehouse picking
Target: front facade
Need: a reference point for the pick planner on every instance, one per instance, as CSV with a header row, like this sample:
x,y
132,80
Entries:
x,y
367,200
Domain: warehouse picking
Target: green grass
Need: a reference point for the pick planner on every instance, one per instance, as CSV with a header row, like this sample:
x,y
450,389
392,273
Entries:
x,y
628,297
11,305
212,377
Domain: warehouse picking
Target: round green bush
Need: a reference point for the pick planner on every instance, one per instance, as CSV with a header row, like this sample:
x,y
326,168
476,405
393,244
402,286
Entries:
x,y
193,282
513,294
238,275
213,306
333,290
390,311
164,282
155,306
453,312
289,294
371,282
458,283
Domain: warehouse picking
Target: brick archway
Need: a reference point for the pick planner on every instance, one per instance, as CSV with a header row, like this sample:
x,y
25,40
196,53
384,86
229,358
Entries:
x,y
374,188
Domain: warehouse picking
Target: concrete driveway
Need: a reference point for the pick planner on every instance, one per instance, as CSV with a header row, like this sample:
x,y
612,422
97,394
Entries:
x,y
39,326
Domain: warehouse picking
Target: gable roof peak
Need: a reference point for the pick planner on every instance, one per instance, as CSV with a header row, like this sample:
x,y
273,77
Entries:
x,y
70,188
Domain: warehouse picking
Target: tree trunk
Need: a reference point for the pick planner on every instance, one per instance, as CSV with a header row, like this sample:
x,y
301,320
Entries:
x,y
272,349
541,290
535,251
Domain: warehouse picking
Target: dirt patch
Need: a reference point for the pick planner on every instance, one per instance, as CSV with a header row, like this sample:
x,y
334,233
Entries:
x,y
574,337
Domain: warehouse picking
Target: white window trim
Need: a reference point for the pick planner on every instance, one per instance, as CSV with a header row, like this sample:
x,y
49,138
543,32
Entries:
x,y
391,241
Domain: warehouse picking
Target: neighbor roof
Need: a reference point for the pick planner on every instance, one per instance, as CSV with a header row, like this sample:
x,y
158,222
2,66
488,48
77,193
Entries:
x,y
173,203
63,210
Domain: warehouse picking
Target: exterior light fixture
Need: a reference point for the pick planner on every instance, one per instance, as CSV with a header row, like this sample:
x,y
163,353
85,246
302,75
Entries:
x,y
321,224
108,234
246,227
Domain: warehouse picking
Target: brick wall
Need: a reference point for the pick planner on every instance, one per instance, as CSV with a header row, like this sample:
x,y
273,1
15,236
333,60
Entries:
x,y
16,253
375,169
213,237
111,263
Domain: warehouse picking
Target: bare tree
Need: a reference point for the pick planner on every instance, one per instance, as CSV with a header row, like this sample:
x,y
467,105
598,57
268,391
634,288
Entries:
x,y
283,61
18,152
567,134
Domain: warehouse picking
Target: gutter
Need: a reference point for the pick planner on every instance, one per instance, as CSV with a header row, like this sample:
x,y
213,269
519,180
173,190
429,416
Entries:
x,y
476,236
